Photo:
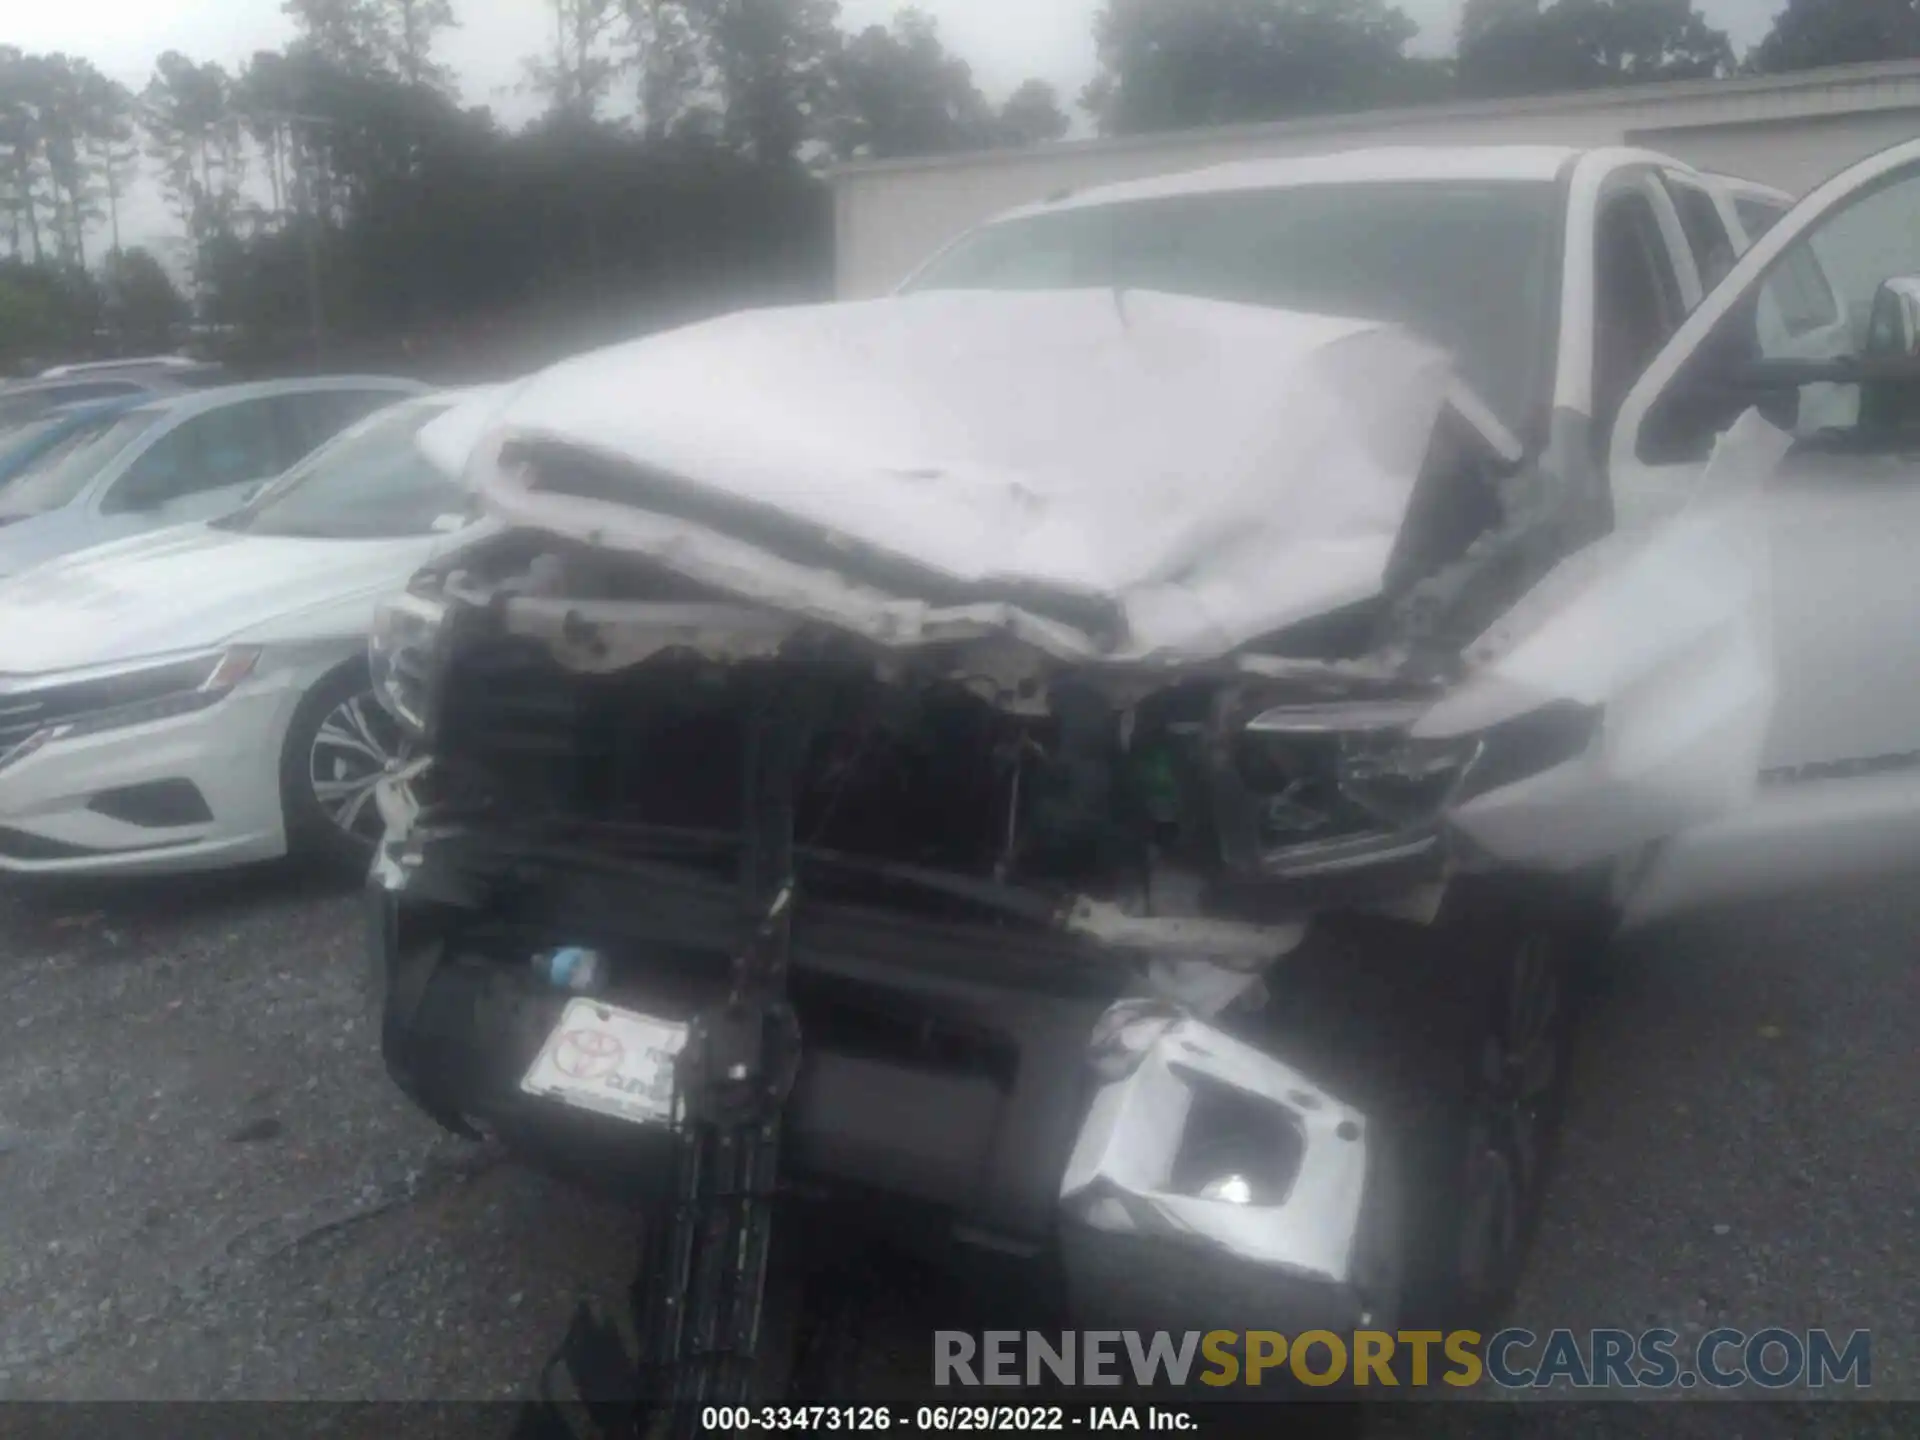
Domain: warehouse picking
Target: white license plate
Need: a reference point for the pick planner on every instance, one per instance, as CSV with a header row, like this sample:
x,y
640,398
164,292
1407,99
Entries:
x,y
612,1061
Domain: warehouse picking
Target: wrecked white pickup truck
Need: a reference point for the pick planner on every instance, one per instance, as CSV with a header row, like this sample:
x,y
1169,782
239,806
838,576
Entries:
x,y
1095,751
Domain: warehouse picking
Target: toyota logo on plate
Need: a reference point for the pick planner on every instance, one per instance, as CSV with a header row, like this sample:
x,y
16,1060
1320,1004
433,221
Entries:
x,y
588,1055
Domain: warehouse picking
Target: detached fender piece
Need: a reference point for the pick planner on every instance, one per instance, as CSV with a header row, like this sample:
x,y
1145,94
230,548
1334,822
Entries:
x,y
1209,1170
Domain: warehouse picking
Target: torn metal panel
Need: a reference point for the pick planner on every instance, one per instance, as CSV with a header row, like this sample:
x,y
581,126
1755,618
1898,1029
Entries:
x,y
603,637
1553,506
395,795
1205,989
1188,937
1293,1206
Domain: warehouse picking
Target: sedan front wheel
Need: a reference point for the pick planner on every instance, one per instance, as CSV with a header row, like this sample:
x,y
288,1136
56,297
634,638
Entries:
x,y
342,742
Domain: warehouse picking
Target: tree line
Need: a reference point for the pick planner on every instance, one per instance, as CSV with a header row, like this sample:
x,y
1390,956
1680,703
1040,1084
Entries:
x,y
338,200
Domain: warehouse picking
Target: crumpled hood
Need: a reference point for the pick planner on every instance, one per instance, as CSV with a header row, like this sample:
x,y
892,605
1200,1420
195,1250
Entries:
x,y
1211,472
181,589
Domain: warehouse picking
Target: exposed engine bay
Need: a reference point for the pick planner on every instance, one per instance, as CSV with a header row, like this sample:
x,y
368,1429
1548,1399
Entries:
x,y
966,777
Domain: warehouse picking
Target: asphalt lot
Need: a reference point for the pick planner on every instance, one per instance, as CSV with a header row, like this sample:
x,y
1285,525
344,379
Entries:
x,y
207,1189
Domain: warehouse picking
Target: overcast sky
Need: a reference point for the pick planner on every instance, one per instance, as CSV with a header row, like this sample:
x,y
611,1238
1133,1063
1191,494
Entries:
x,y
1005,41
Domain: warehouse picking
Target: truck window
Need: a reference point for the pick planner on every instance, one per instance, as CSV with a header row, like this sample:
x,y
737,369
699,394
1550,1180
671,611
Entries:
x,y
1801,291
1636,300
1707,237
1823,287
1757,216
1799,287
1468,265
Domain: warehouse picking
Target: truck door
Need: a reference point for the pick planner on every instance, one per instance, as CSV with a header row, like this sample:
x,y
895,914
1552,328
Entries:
x,y
1841,756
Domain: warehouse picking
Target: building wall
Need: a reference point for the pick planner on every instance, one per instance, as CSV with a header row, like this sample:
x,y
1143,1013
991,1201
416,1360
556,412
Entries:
x,y
1791,132
1795,155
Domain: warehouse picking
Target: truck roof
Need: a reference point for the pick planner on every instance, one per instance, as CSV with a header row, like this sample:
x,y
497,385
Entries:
x,y
1341,167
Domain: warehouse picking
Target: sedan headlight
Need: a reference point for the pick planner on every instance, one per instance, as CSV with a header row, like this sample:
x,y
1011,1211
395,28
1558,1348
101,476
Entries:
x,y
61,707
399,655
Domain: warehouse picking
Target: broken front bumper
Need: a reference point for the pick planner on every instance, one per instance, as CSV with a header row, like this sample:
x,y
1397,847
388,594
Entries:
x,y
1005,1079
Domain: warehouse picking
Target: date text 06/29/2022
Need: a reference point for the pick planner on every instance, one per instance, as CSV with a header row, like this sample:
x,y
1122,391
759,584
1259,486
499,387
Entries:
x,y
1770,1358
940,1419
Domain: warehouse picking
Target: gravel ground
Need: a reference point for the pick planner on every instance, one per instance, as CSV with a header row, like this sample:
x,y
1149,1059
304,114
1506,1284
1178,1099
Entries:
x,y
208,1190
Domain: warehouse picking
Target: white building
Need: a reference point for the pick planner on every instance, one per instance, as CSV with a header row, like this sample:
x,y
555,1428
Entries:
x,y
1790,131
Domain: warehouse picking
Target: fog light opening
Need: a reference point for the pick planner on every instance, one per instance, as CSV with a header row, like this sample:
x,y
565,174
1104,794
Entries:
x,y
1236,1148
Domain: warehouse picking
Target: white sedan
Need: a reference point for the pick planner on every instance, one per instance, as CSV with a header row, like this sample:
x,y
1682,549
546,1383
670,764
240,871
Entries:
x,y
199,697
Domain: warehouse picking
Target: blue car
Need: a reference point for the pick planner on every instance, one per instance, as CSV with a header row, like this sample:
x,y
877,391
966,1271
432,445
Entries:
x,y
27,443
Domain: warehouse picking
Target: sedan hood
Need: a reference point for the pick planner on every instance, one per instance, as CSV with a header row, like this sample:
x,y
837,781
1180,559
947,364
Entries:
x,y
181,589
1123,475
35,539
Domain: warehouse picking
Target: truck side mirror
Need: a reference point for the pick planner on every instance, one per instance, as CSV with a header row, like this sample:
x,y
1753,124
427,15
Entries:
x,y
1893,325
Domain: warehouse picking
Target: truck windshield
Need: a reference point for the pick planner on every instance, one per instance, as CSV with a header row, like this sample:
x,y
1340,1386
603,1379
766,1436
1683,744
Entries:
x,y
1467,265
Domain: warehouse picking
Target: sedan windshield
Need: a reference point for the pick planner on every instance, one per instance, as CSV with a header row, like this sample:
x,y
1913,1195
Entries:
x,y
57,476
1467,265
370,484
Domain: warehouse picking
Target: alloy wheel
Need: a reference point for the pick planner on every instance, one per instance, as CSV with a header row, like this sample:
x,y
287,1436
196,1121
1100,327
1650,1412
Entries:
x,y
356,745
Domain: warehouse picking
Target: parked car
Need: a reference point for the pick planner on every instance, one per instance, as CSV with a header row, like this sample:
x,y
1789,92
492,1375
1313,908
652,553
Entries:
x,y
102,380
198,696
132,365
39,441
1097,749
187,457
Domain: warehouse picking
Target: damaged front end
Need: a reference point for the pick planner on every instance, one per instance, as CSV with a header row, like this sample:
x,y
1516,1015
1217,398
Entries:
x,y
1004,871
1010,870
973,884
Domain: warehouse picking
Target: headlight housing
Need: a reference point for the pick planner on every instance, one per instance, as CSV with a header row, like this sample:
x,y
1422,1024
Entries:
x,y
1331,786
400,653
37,711
1336,777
